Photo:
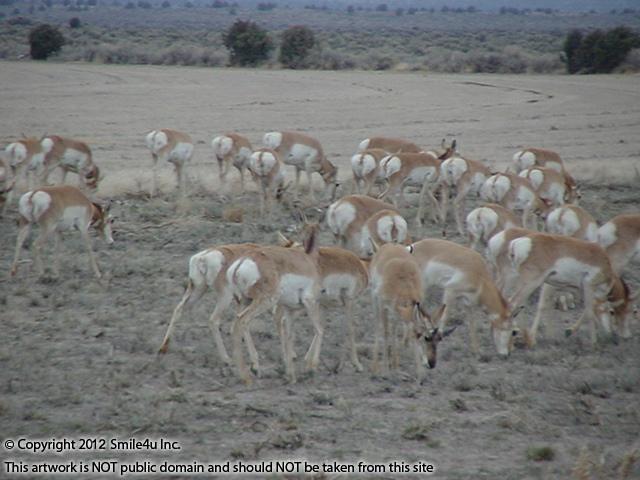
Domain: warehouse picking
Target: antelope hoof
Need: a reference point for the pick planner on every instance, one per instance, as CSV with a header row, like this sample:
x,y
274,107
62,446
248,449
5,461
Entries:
x,y
568,332
164,348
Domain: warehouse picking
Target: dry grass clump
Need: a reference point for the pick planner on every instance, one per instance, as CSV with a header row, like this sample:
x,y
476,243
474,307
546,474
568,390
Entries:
x,y
233,214
541,454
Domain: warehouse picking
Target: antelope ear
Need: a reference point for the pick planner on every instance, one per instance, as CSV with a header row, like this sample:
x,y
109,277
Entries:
x,y
374,245
449,331
283,241
437,315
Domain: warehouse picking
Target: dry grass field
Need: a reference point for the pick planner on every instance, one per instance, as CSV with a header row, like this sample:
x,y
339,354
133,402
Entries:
x,y
79,359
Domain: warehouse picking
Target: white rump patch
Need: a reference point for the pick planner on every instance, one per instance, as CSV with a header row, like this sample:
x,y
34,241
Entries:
x,y
17,153
495,245
390,165
242,275
33,206
47,144
452,169
535,177
339,216
222,145
481,222
205,266
519,250
262,163
362,164
524,159
607,234
385,226
272,140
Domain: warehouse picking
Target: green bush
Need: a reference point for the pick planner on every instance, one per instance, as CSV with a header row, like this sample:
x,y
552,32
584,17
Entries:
x,y
44,41
248,44
599,51
297,43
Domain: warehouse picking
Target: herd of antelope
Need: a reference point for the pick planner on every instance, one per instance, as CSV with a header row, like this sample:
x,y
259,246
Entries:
x,y
506,259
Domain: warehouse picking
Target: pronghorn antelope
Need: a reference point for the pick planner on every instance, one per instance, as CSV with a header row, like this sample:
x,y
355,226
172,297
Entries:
x,y
620,237
268,170
232,149
343,278
385,226
540,157
23,155
552,260
365,167
462,176
412,170
515,193
572,221
304,153
484,222
55,209
396,287
346,218
537,157
70,156
389,145
462,272
208,271
285,278
551,185
171,146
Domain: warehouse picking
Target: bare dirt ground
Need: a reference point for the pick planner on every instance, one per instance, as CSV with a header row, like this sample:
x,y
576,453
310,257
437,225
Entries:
x,y
78,359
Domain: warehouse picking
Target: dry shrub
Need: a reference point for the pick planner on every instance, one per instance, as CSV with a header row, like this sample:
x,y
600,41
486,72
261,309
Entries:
x,y
233,214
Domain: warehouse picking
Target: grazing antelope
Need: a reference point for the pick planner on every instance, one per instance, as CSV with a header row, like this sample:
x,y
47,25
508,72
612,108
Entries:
x,y
365,167
412,170
170,146
462,176
70,156
385,226
572,221
396,287
285,278
620,237
484,222
232,149
55,209
552,260
268,170
208,271
462,272
551,185
343,278
515,193
389,144
346,218
304,153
